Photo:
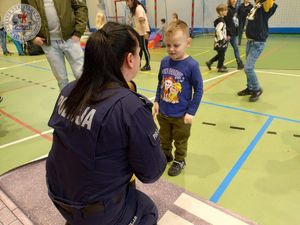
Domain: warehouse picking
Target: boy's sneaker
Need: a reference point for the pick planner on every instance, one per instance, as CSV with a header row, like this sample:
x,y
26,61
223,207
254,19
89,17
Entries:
x,y
225,67
222,70
240,66
208,64
255,95
146,68
245,92
176,168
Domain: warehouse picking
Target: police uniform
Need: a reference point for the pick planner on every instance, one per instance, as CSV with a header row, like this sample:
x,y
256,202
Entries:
x,y
92,160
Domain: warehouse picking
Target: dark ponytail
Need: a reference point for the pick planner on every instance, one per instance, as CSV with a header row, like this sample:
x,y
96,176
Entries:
x,y
105,52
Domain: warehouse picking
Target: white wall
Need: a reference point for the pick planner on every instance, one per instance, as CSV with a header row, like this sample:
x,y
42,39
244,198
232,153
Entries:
x,y
287,15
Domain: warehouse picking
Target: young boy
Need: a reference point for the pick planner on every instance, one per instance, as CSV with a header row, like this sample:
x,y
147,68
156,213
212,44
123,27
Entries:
x,y
221,41
179,92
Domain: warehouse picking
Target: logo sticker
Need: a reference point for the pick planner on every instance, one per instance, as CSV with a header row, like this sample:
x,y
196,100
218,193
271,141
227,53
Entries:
x,y
22,22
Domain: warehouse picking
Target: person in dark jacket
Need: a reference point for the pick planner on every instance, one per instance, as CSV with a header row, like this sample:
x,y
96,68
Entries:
x,y
242,14
103,134
232,31
257,34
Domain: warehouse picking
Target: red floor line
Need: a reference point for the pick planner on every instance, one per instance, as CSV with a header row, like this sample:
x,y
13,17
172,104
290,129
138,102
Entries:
x,y
23,124
218,82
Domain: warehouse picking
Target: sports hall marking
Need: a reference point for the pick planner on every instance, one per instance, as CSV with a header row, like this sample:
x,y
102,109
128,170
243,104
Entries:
x,y
235,169
201,53
171,218
25,125
205,211
22,64
25,139
281,74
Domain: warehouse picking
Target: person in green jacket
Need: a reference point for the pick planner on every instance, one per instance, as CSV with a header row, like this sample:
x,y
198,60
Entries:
x,y
62,25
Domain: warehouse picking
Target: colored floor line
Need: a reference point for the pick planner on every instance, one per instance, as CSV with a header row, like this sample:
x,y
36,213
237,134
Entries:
x,y
250,111
25,139
45,136
235,169
235,108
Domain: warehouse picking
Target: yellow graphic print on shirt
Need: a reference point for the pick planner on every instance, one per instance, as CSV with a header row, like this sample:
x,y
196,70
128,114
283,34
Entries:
x,y
171,90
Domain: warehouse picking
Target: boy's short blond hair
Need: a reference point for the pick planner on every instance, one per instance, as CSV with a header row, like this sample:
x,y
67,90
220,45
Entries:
x,y
178,25
221,7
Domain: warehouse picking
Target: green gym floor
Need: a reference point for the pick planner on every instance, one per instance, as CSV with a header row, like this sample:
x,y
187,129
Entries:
x,y
243,156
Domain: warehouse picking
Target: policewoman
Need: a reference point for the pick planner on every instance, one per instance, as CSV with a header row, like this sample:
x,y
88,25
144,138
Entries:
x,y
103,134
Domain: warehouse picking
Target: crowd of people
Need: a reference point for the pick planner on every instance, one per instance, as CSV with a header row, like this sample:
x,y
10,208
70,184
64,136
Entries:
x,y
104,131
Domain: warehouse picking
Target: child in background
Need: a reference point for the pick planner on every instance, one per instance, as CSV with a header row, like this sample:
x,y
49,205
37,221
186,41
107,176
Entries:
x,y
242,14
221,42
179,92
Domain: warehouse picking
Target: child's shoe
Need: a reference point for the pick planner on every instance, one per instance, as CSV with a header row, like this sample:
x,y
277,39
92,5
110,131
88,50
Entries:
x,y
222,70
208,64
176,168
146,68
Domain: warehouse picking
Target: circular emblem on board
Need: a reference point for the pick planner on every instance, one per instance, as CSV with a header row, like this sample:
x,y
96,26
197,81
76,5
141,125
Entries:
x,y
22,22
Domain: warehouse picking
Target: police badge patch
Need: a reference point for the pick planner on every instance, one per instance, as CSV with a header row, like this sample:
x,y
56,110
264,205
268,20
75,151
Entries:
x,y
22,22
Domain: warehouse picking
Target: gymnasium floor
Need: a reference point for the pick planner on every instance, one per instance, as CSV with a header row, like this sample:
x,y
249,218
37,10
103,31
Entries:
x,y
243,156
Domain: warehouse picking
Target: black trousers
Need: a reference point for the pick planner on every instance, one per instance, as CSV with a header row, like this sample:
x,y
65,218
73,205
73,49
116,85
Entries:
x,y
144,49
220,57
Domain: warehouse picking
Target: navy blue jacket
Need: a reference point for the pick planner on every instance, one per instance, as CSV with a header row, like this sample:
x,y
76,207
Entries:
x,y
258,29
94,159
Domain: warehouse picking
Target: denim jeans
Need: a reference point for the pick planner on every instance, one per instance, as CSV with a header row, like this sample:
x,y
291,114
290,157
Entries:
x,y
253,51
18,46
3,41
234,44
56,53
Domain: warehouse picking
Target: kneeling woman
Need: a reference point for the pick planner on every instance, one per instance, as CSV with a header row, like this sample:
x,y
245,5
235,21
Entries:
x,y
103,134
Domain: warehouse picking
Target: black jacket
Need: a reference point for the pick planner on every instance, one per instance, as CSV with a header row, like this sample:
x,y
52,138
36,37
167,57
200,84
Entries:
x,y
257,29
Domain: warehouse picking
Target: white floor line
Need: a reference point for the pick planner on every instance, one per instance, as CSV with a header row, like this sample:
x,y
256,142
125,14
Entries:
x,y
281,74
23,64
172,219
201,53
223,75
206,212
25,139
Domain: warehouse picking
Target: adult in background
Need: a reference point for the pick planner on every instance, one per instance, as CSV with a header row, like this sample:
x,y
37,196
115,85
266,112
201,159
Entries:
x,y
103,134
242,14
63,23
138,12
257,34
3,38
232,31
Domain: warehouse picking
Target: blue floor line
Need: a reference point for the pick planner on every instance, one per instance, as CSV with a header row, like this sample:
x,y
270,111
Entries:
x,y
235,169
251,112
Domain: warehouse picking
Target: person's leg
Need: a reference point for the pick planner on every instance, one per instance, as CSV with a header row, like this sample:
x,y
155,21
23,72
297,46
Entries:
x,y
56,59
74,55
221,58
241,31
212,60
3,41
233,42
165,136
254,51
144,49
181,133
18,47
